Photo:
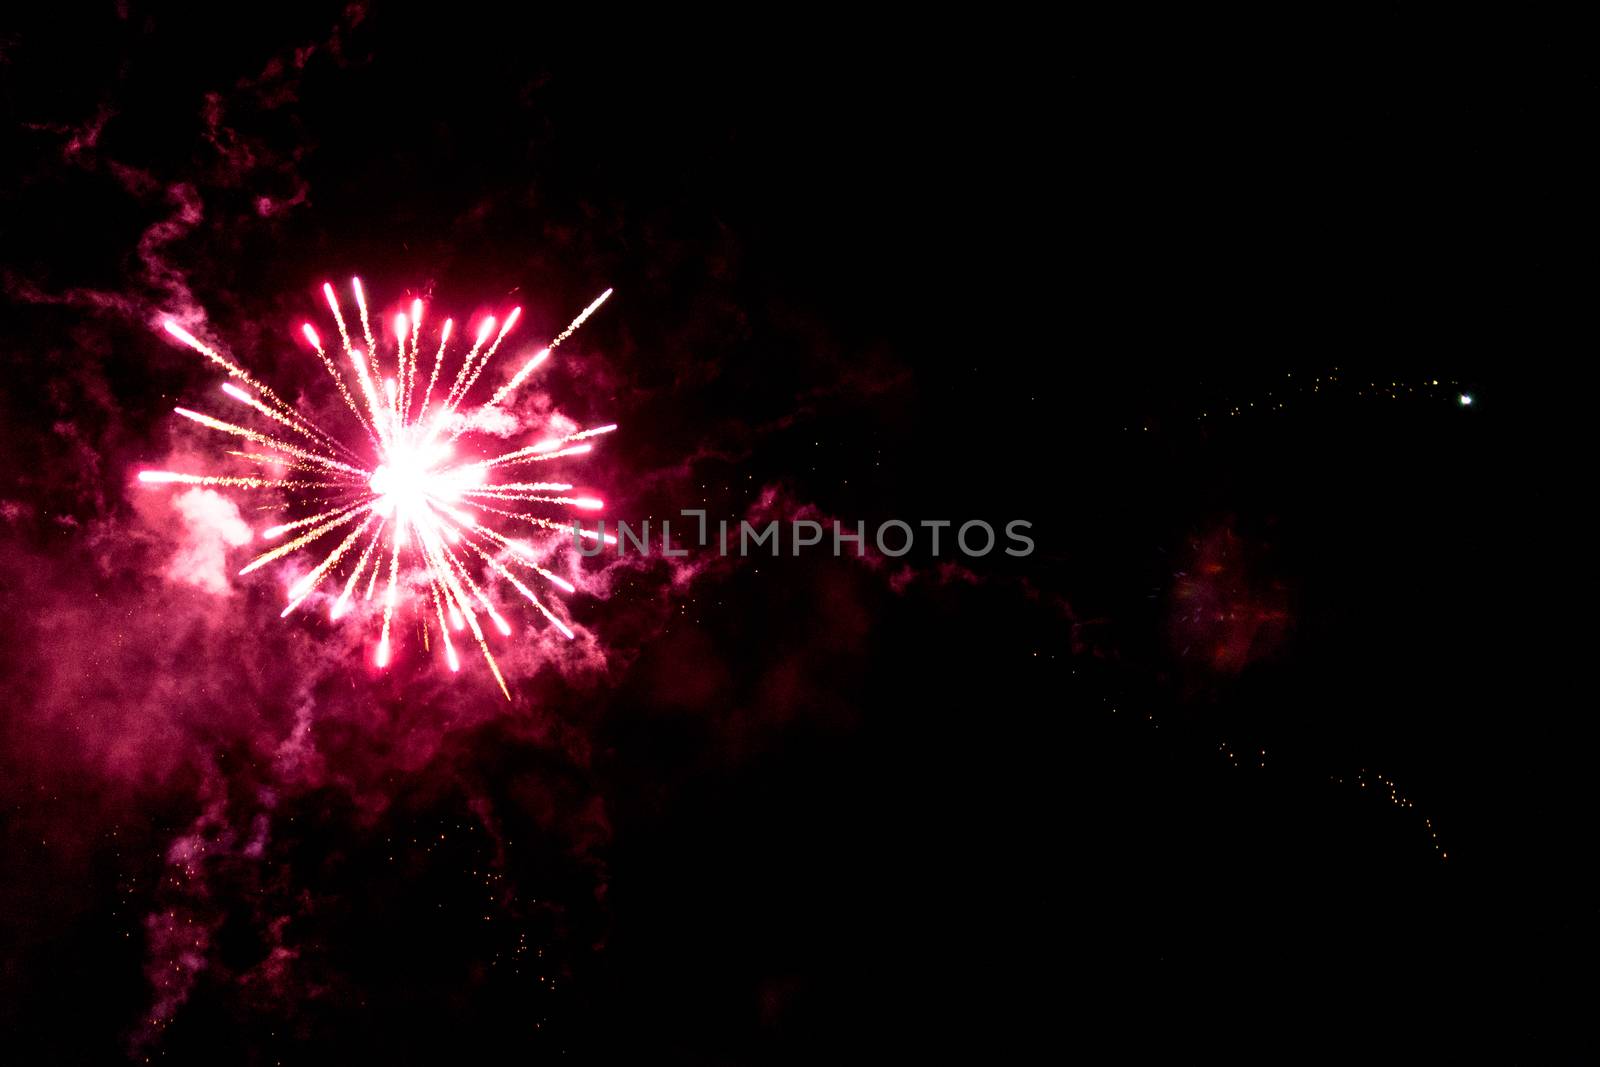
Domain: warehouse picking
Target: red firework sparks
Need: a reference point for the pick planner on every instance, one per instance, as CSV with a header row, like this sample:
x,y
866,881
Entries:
x,y
406,505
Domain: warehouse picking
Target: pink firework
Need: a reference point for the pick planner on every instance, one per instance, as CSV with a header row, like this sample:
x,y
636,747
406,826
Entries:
x,y
411,511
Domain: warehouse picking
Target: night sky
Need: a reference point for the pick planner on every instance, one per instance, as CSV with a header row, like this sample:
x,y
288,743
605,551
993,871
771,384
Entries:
x,y
1265,752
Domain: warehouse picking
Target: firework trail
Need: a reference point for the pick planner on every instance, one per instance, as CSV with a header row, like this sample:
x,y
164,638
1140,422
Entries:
x,y
398,502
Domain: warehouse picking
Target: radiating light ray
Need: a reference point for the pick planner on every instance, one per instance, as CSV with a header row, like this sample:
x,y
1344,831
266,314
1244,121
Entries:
x,y
511,320
342,604
505,573
583,316
238,372
270,442
388,602
286,462
522,487
527,594
369,392
482,598
522,556
289,463
338,317
544,523
518,378
274,532
588,503
515,549
401,329
298,427
484,330
227,480
338,379
543,354
462,604
438,360
216,357
366,326
411,359
444,630
554,443
305,586
534,454
300,542
359,362
417,493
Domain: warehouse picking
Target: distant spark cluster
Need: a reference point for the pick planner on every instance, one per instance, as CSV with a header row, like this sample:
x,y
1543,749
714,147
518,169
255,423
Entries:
x,y
1236,758
413,514
1387,788
1256,759
1295,389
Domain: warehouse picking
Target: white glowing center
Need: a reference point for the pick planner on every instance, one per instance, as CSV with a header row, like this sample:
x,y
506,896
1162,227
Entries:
x,y
412,478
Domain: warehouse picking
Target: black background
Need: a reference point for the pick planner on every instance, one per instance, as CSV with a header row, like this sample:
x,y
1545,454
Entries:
x,y
992,271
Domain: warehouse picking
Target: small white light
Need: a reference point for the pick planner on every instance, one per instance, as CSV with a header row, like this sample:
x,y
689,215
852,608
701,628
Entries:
x,y
1466,400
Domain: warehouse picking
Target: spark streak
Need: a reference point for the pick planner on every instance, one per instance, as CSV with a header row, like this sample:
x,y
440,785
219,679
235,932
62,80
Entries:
x,y
532,364
170,477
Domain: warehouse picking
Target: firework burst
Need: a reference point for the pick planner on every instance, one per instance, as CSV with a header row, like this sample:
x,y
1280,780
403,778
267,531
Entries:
x,y
403,501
